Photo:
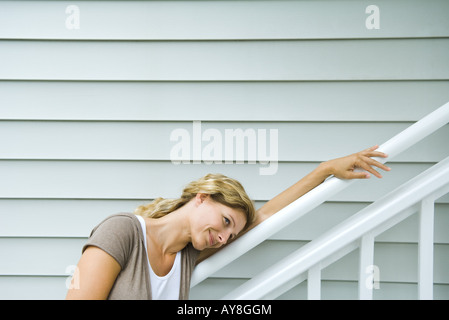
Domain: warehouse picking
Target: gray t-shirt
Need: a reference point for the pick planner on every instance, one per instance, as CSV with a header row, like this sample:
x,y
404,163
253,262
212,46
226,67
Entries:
x,y
120,235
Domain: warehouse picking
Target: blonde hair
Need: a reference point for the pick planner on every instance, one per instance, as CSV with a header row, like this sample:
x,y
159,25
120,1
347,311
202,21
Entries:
x,y
221,189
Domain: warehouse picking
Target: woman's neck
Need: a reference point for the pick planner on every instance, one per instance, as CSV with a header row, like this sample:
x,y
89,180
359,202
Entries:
x,y
170,233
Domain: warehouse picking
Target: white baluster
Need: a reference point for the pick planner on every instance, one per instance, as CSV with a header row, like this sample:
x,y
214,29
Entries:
x,y
366,262
314,283
425,249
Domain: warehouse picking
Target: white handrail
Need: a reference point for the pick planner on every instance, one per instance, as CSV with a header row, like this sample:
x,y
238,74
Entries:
x,y
353,228
315,197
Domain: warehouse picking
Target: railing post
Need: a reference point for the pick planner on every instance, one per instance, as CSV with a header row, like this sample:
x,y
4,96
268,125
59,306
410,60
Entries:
x,y
367,272
314,283
425,249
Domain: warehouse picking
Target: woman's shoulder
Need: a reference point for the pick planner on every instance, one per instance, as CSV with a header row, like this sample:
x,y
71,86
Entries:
x,y
122,220
122,216
122,225
117,234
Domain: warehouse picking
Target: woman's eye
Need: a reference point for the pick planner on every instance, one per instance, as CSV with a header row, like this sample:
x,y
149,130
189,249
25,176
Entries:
x,y
227,221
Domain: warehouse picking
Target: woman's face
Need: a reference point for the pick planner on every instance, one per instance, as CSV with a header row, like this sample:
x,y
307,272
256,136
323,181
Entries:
x,y
213,223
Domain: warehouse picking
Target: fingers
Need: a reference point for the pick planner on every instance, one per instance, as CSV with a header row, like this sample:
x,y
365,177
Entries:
x,y
376,163
344,167
366,162
372,148
371,153
364,165
356,175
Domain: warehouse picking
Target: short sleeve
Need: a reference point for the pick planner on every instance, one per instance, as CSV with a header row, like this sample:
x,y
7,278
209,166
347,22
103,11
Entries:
x,y
117,235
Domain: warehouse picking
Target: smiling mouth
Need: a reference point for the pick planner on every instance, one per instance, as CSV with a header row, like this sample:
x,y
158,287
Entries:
x,y
211,239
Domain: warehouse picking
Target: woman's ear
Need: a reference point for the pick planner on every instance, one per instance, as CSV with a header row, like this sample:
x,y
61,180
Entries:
x,y
200,197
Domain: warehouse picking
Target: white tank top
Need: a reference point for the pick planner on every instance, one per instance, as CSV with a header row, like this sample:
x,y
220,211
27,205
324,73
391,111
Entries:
x,y
166,287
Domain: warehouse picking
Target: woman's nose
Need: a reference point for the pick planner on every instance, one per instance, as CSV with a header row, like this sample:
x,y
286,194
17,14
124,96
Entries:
x,y
223,237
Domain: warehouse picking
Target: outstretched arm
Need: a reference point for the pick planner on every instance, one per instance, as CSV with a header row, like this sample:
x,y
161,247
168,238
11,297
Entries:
x,y
342,168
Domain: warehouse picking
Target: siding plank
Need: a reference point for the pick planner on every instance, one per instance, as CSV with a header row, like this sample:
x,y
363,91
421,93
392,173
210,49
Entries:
x,y
57,217
39,256
148,180
304,141
411,59
76,218
222,101
33,287
396,261
185,20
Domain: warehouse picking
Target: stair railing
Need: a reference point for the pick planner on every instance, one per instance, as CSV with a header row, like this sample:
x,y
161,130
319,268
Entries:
x,y
359,231
315,197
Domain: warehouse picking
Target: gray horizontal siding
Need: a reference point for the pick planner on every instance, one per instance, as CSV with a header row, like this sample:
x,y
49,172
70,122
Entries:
x,y
87,213
390,257
39,256
396,261
33,287
222,101
380,59
151,140
187,20
123,179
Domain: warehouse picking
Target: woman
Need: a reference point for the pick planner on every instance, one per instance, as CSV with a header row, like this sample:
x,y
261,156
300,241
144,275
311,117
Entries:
x,y
151,254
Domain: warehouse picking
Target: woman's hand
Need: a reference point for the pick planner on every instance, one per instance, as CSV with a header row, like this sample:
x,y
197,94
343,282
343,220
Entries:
x,y
344,168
